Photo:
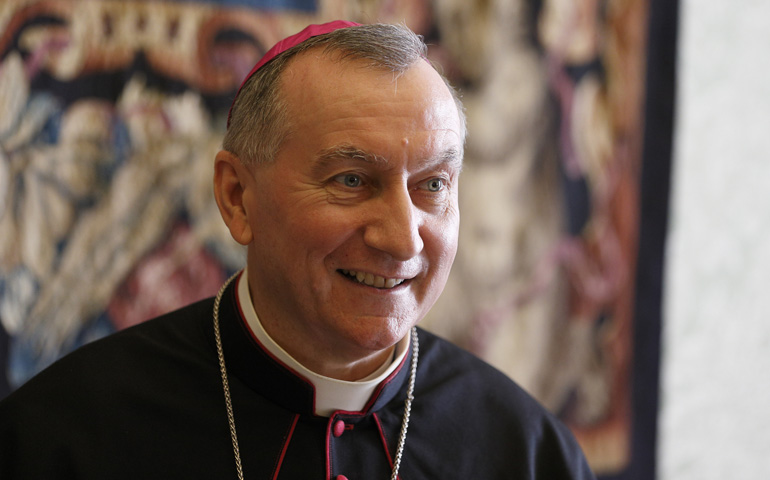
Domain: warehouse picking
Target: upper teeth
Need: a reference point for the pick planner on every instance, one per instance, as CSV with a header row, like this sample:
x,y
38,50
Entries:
x,y
373,280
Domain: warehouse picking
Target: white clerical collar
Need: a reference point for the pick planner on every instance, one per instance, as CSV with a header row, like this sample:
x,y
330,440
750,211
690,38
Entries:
x,y
331,395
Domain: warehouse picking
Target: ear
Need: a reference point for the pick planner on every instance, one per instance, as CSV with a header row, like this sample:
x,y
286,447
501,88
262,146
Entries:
x,y
229,187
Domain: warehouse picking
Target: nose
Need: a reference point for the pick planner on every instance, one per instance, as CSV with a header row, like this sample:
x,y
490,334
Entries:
x,y
394,227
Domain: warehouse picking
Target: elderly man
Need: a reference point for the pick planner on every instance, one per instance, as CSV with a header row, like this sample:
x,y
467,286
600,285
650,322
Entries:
x,y
339,174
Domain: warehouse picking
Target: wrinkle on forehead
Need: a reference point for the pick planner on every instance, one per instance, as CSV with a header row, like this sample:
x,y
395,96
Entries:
x,y
344,110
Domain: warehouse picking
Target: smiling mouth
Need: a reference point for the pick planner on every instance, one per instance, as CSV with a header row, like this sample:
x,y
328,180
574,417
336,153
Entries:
x,y
371,280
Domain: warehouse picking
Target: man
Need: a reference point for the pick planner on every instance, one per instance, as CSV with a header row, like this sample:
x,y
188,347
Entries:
x,y
339,173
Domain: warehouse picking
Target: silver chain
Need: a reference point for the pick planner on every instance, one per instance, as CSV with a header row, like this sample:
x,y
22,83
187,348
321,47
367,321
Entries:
x,y
407,404
229,403
225,383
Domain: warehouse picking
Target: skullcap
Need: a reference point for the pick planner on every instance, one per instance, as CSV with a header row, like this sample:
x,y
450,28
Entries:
x,y
289,42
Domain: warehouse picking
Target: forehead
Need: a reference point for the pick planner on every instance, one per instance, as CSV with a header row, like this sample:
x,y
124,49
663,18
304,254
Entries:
x,y
320,87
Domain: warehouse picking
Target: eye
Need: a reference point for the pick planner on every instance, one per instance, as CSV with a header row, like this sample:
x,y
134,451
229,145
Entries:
x,y
349,180
435,184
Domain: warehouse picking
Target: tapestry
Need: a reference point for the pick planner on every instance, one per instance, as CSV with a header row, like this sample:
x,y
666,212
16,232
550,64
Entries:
x,y
111,113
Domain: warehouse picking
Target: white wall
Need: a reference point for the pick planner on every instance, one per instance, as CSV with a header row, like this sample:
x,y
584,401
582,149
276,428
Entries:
x,y
715,418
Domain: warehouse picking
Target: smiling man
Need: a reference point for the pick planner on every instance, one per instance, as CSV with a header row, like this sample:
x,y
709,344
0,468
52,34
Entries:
x,y
339,174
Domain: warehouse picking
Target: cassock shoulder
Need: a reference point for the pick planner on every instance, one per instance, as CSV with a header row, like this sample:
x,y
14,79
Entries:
x,y
468,379
470,403
178,336
105,395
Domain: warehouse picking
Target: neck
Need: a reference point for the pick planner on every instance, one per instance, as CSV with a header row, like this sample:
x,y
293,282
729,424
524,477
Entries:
x,y
328,362
309,350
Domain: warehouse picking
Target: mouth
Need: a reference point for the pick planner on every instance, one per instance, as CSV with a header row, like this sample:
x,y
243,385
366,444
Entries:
x,y
372,280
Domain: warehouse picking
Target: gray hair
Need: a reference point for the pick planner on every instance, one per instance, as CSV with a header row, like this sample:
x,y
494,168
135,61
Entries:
x,y
259,121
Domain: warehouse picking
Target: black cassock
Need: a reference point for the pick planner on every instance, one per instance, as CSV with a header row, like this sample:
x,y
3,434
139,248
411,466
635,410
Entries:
x,y
147,403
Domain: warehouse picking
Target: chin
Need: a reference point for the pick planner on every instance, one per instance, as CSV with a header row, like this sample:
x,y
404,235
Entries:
x,y
379,337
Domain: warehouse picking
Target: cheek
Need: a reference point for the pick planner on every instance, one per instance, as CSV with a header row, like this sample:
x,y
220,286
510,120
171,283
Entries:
x,y
321,236
450,231
442,241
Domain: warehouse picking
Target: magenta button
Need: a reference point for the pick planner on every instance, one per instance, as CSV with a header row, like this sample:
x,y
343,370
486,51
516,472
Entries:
x,y
338,430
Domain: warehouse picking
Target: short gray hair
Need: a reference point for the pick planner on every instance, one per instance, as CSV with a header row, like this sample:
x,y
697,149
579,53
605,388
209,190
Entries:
x,y
259,120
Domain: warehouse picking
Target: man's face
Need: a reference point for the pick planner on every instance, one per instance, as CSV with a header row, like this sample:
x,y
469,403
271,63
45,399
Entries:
x,y
355,222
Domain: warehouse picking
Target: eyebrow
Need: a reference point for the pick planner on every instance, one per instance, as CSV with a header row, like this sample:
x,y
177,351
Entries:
x,y
348,152
451,157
